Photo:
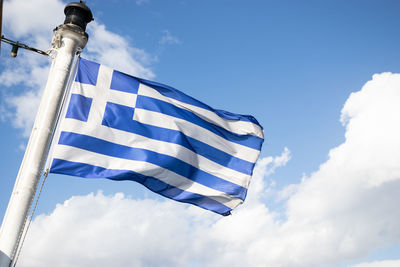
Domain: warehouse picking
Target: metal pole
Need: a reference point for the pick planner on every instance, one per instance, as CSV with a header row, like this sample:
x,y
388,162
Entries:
x,y
68,39
1,20
1,15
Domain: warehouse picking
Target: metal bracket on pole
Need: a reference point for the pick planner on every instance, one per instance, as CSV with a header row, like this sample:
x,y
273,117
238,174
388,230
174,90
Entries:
x,y
16,45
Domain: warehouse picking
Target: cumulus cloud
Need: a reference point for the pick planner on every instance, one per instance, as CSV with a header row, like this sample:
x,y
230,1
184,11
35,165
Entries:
x,y
347,207
22,19
23,81
114,50
394,263
342,211
265,167
122,231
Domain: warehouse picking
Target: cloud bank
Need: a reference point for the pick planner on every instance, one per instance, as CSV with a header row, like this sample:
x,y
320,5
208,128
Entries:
x,y
342,211
121,231
394,263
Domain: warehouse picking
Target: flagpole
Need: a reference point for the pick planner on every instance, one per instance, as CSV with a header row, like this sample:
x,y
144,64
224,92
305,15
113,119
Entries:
x,y
68,39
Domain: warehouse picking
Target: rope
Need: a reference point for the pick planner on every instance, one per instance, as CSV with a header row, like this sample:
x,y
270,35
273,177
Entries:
x,y
30,218
18,250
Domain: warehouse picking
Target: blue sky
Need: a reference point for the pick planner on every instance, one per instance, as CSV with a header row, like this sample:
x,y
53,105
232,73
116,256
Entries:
x,y
291,64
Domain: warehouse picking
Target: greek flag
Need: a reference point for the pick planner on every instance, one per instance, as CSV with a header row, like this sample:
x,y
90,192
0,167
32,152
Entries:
x,y
121,127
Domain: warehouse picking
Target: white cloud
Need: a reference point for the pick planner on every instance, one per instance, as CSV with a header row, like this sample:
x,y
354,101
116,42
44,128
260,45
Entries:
x,y
98,230
31,18
393,263
114,50
347,208
28,72
128,229
141,2
343,211
265,167
23,105
168,38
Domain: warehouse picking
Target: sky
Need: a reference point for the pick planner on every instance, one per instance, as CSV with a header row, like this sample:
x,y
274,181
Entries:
x,y
321,77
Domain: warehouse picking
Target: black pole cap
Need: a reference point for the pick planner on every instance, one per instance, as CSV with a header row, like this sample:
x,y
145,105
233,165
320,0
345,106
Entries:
x,y
78,14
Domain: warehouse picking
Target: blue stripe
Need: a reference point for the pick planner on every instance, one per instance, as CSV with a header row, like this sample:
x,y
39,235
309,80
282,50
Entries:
x,y
123,82
171,92
149,103
121,117
167,162
87,72
155,185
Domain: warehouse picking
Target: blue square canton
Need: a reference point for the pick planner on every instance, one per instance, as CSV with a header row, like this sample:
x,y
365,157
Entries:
x,y
79,107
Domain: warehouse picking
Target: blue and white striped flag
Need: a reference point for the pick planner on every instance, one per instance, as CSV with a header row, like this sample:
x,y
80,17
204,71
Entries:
x,y
120,127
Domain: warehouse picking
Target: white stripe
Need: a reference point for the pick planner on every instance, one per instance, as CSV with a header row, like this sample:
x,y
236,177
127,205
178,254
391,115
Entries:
x,y
145,168
196,132
162,120
239,127
115,96
133,140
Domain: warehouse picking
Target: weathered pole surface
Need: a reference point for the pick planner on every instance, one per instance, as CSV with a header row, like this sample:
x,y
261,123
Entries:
x,y
69,38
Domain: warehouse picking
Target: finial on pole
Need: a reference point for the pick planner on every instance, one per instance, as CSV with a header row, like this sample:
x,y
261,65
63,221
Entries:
x,y
78,14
